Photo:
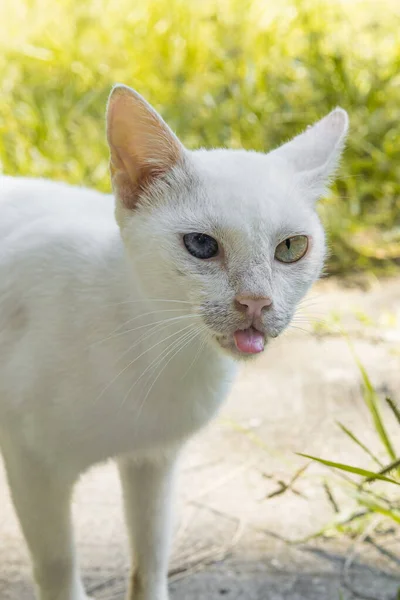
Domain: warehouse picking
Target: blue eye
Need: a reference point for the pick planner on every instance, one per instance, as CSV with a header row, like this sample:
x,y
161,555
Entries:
x,y
200,245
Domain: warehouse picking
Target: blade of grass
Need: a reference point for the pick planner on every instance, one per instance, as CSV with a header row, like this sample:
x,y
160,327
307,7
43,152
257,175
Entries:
x,y
331,497
359,443
349,469
371,400
393,465
379,508
340,520
395,409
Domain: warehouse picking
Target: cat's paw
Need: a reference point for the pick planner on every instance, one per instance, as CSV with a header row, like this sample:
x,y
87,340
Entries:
x,y
149,589
147,595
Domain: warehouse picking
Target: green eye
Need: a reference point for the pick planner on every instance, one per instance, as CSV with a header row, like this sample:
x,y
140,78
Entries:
x,y
292,249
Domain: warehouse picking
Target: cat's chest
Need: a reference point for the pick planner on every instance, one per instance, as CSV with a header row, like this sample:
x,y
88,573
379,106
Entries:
x,y
143,407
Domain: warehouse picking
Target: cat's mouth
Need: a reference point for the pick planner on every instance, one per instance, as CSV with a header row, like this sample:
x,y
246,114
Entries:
x,y
244,342
249,341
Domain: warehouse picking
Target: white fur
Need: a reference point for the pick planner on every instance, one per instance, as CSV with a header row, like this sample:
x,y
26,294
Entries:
x,y
90,366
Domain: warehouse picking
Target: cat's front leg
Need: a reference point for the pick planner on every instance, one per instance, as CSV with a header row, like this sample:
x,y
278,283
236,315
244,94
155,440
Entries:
x,y
148,495
42,501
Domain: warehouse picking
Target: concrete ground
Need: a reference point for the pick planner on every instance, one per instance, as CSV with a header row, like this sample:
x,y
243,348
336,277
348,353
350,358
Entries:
x,y
234,541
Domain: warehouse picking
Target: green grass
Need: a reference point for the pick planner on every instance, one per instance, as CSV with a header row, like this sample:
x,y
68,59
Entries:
x,y
369,501
235,73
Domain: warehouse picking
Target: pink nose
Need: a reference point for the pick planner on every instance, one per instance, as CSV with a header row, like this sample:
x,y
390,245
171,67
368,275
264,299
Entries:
x,y
254,304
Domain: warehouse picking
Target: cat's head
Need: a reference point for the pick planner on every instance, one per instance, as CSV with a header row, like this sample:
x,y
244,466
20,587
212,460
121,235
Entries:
x,y
230,236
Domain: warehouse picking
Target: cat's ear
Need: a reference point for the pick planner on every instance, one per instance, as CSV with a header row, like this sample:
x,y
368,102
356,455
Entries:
x,y
142,146
314,154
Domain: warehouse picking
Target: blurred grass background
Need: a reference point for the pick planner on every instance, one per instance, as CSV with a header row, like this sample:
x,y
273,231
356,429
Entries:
x,y
234,73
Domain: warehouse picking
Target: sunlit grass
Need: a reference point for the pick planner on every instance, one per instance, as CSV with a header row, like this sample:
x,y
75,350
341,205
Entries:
x,y
228,73
369,501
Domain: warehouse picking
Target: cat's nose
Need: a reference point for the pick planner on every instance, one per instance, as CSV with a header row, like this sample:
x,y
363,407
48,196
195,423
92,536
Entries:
x,y
254,305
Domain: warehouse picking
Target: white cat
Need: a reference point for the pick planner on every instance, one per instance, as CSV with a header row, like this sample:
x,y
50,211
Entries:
x,y
121,340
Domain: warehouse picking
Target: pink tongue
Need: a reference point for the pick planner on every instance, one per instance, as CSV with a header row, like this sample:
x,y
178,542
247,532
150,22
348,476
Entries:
x,y
249,340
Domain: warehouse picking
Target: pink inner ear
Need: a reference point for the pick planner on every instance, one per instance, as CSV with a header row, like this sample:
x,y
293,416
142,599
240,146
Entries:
x,y
142,145
127,192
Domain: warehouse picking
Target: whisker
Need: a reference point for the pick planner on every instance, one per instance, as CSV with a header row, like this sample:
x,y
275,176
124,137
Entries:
x,y
153,331
137,358
170,348
117,333
183,344
312,298
300,329
148,334
308,318
305,318
310,307
145,301
199,330
152,364
153,312
199,351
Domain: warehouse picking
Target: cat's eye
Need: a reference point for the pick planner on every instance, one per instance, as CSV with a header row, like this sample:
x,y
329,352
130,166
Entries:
x,y
200,245
292,249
